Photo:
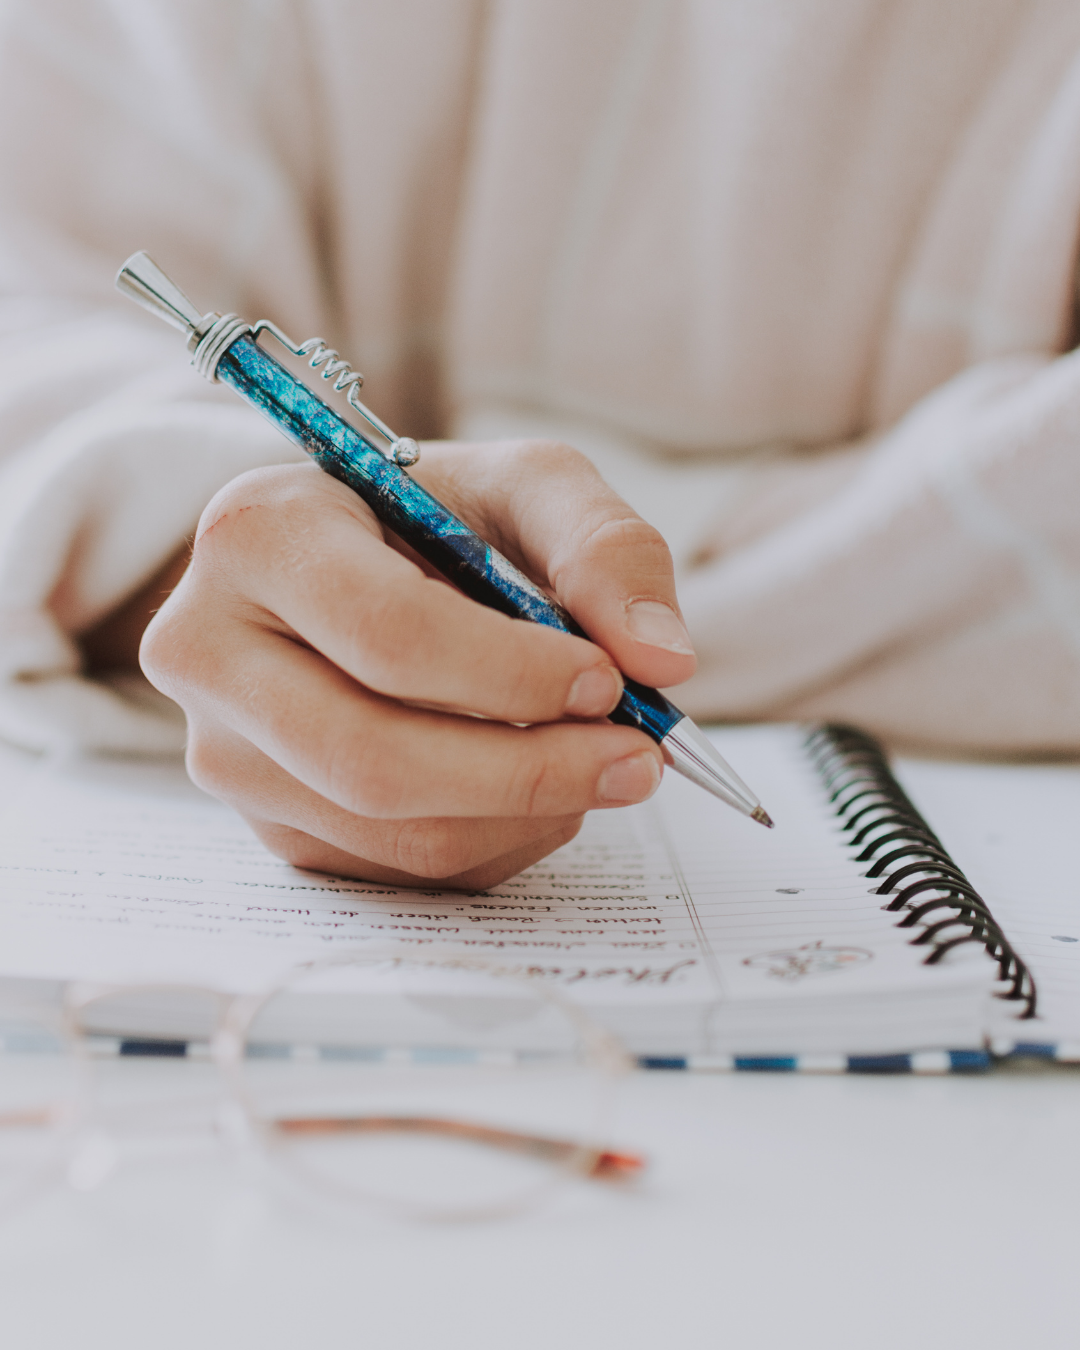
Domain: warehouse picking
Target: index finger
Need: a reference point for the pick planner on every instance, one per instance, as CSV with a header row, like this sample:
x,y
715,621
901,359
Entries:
x,y
545,507
292,547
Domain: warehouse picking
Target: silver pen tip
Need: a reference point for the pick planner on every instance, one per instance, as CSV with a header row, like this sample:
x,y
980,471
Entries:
x,y
690,752
762,817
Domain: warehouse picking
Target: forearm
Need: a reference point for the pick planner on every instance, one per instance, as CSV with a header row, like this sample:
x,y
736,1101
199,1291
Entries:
x,y
110,446
930,599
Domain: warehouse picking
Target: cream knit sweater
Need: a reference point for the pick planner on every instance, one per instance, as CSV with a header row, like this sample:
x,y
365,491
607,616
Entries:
x,y
809,262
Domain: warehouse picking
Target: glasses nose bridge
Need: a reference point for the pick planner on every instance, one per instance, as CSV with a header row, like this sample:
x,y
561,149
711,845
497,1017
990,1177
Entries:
x,y
149,1012
124,1037
230,1034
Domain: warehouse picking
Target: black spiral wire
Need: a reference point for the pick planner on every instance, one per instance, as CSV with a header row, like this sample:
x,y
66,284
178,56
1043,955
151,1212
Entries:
x,y
887,831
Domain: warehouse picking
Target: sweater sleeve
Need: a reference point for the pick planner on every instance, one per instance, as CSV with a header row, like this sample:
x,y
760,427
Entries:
x,y
124,127
935,597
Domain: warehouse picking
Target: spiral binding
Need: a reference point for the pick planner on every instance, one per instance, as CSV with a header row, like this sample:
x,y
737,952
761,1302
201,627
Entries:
x,y
888,832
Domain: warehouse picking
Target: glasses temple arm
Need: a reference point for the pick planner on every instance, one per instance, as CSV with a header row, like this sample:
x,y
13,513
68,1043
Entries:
x,y
600,1163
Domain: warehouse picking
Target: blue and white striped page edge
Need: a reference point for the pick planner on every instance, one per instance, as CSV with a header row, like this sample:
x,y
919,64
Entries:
x,y
917,1062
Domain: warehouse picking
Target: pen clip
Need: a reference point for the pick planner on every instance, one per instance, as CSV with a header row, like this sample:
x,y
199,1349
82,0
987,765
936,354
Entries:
x,y
211,335
404,451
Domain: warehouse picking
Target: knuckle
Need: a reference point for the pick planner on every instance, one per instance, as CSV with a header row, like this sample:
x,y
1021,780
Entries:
x,y
548,457
276,484
497,870
614,533
434,849
291,845
165,651
229,505
207,765
607,536
526,688
530,786
190,644
158,649
281,504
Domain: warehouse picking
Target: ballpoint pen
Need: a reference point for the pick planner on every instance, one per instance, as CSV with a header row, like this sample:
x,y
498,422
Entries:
x,y
224,348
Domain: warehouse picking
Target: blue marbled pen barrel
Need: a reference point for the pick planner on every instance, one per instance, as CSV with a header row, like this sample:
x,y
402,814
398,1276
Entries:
x,y
223,347
414,514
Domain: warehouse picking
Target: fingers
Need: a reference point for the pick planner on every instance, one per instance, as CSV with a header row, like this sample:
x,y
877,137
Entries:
x,y
300,646
310,831
305,550
548,509
378,758
304,850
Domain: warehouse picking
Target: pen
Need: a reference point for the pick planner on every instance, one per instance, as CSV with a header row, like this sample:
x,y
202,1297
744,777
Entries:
x,y
224,348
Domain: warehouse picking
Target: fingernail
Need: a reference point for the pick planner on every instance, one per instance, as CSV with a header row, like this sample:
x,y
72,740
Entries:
x,y
629,780
595,692
657,624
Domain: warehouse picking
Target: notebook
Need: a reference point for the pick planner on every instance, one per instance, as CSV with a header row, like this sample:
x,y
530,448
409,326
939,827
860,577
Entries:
x,y
846,938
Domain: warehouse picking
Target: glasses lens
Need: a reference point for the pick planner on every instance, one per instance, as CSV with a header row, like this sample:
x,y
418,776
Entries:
x,y
155,1090
445,1088
39,1095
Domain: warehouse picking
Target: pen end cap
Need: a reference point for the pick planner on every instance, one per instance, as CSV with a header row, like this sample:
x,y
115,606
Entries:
x,y
143,281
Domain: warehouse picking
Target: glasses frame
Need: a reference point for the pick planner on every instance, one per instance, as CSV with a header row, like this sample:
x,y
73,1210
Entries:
x,y
234,1017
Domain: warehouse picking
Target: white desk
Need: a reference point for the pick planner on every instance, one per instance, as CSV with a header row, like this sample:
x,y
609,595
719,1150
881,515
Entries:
x,y
780,1211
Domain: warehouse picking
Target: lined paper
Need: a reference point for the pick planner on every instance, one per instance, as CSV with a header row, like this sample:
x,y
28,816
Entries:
x,y
123,871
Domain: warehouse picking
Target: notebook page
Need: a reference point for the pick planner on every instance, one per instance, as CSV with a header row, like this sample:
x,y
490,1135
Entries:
x,y
786,917
1013,829
124,872
120,871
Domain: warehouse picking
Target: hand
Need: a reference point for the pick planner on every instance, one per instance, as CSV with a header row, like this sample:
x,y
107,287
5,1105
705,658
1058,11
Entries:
x,y
364,716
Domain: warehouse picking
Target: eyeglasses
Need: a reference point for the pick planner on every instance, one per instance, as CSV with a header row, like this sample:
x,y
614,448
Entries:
x,y
443,1087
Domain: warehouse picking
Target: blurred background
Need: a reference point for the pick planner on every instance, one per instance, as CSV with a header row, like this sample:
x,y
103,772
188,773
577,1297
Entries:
x,y
798,275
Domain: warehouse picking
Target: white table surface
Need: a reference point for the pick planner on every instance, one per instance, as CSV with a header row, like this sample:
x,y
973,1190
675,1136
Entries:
x,y
779,1211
